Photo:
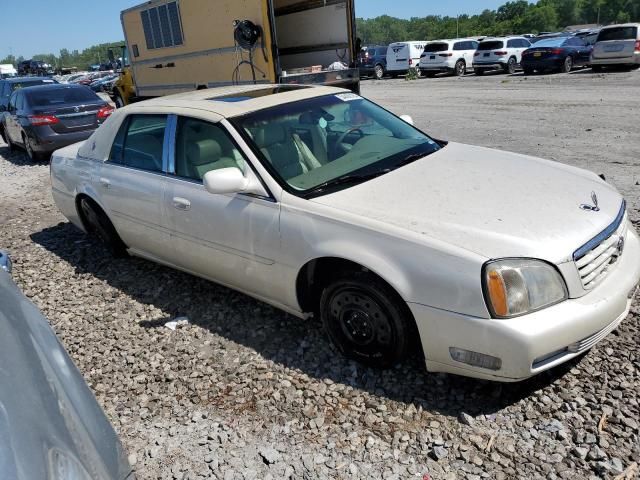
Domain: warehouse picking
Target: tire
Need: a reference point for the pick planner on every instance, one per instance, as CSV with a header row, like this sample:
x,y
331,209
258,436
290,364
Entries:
x,y
31,153
511,65
460,69
528,71
118,101
97,223
366,320
378,72
567,66
418,72
10,145
479,71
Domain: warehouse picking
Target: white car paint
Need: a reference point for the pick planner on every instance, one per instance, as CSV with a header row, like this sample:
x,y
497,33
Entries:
x,y
426,228
402,56
498,57
444,55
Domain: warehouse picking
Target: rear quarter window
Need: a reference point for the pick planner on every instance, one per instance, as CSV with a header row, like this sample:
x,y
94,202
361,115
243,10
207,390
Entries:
x,y
491,45
618,33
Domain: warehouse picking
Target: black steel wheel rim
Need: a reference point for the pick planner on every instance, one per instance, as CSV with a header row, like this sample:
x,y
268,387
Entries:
x,y
360,319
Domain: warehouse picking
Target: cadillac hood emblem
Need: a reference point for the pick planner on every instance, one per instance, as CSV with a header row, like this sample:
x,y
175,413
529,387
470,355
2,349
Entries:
x,y
591,208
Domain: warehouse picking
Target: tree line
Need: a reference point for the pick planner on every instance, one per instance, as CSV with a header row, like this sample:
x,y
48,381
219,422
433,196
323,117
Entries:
x,y
94,55
514,17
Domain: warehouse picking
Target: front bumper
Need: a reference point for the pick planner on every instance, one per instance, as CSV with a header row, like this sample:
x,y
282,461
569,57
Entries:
x,y
536,342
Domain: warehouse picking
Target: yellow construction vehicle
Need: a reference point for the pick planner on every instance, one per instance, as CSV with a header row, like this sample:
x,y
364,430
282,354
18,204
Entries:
x,y
180,45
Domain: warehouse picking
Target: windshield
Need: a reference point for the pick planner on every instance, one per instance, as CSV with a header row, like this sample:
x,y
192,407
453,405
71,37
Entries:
x,y
551,42
436,47
618,33
491,45
312,145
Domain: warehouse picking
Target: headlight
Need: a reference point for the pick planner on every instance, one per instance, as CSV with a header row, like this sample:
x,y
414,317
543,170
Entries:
x,y
514,287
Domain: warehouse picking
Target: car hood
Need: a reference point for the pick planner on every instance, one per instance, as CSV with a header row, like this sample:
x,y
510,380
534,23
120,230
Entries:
x,y
50,422
490,202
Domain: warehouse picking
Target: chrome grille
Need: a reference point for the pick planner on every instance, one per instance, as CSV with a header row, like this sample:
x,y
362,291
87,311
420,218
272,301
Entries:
x,y
596,258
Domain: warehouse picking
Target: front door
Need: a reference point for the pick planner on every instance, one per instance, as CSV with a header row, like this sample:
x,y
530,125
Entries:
x,y
232,239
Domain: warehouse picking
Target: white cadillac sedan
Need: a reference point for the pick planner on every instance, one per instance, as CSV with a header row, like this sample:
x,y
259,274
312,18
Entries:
x,y
320,202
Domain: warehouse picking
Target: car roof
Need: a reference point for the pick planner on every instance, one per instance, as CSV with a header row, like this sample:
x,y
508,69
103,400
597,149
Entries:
x,y
54,86
237,100
24,79
632,24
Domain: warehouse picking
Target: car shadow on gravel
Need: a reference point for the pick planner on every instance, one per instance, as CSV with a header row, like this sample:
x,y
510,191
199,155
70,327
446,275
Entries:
x,y
275,335
17,157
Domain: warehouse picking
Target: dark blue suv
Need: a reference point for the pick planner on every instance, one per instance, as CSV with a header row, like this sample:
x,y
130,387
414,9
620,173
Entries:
x,y
372,61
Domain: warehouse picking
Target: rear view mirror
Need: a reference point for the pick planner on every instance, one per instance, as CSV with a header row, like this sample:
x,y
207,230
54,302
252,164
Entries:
x,y
407,119
231,180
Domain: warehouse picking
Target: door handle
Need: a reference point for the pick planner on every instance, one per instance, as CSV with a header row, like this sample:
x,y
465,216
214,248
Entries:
x,y
105,182
181,203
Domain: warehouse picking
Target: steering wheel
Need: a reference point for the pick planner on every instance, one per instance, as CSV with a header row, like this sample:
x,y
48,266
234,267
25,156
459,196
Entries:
x,y
345,134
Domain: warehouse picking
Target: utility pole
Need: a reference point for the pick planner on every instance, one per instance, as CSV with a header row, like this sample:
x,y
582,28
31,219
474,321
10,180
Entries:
x,y
458,26
598,22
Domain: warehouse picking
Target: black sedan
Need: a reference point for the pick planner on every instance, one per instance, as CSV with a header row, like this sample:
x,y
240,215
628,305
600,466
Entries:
x,y
45,118
556,54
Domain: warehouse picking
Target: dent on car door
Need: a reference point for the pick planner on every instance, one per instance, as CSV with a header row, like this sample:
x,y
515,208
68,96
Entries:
x,y
131,184
229,238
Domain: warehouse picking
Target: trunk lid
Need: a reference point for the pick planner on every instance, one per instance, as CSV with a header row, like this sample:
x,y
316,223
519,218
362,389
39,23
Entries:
x,y
433,54
617,42
73,118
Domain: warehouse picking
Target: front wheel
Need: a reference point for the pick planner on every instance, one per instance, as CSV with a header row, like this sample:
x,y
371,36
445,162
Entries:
x,y
567,66
31,153
366,320
460,68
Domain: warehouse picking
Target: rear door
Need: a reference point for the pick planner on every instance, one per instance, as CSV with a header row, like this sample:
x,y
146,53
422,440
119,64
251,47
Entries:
x,y
131,184
616,42
583,51
398,55
434,54
11,119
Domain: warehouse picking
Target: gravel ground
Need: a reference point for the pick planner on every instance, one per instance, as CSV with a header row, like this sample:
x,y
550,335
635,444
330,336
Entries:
x,y
245,391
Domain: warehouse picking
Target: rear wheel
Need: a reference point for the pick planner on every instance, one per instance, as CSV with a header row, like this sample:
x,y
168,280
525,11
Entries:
x,y
567,66
510,67
366,320
97,223
378,72
31,153
460,69
118,101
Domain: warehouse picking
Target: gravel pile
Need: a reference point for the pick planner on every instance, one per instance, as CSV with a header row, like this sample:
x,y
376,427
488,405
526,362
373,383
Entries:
x,y
240,390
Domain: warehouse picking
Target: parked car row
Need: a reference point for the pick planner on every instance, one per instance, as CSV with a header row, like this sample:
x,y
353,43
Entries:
x,y
562,51
40,115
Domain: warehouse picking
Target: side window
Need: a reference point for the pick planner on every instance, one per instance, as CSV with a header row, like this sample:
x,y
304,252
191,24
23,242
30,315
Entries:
x,y
139,142
474,45
202,146
512,44
12,101
19,100
459,46
525,43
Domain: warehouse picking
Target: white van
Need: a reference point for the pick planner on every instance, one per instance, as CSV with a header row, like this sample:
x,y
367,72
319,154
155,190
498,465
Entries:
x,y
7,70
617,45
402,56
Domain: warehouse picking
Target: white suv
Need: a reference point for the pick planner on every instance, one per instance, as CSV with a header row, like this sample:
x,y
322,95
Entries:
x,y
453,56
617,45
504,53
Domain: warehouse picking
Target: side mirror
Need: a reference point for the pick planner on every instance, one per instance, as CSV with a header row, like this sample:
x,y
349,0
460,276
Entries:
x,y
407,119
231,180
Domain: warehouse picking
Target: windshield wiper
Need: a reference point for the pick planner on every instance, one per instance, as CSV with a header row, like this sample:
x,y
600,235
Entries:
x,y
348,179
409,159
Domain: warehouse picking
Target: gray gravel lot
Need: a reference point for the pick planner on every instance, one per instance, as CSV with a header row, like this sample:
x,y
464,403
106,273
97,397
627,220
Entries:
x,y
245,391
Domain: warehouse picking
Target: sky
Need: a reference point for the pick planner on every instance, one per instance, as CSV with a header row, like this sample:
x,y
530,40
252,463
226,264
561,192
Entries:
x,y
78,24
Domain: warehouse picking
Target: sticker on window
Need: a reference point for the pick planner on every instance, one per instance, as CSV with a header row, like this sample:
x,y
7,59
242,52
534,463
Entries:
x,y
348,97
